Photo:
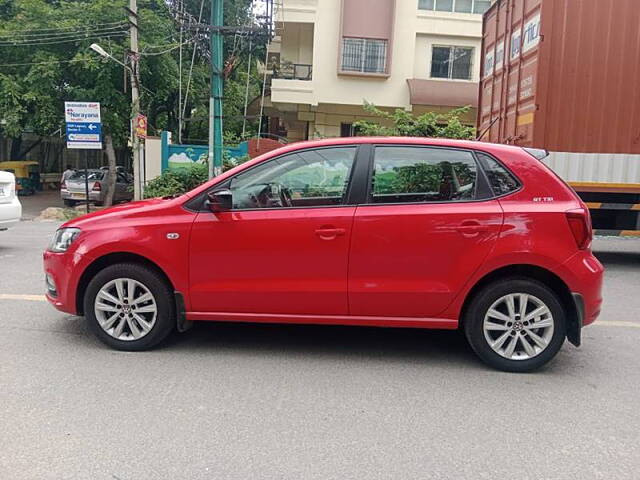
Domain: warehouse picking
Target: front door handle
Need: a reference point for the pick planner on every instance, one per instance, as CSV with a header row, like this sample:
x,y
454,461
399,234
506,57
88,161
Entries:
x,y
329,233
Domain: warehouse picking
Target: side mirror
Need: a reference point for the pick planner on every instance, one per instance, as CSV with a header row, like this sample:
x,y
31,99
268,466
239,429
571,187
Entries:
x,y
219,200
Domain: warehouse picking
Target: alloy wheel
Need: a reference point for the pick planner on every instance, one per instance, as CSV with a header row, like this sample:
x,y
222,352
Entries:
x,y
125,309
518,326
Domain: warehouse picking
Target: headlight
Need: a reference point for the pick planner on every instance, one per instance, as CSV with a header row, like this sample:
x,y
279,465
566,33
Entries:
x,y
63,238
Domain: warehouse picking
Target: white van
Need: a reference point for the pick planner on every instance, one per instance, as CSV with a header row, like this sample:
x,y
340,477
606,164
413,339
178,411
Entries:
x,y
10,208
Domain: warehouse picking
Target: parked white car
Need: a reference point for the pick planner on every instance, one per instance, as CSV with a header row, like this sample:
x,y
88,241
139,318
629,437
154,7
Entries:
x,y
10,208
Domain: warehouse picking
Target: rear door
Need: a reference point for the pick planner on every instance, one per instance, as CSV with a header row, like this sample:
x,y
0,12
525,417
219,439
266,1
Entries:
x,y
428,224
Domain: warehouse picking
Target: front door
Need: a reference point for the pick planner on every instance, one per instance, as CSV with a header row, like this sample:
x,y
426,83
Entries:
x,y
424,231
284,246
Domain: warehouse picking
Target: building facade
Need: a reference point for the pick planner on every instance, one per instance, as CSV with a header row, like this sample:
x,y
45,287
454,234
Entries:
x,y
332,56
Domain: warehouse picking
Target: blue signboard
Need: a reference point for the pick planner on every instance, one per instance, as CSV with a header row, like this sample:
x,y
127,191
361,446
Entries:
x,y
87,128
84,128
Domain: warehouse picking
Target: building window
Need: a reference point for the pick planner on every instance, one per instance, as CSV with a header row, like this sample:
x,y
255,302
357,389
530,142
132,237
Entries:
x,y
349,130
454,63
460,6
364,55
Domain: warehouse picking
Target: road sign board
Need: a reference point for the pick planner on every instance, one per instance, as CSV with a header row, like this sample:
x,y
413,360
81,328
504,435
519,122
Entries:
x,y
84,126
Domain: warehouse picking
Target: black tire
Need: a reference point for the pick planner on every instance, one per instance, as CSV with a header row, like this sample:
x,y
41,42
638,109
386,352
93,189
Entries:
x,y
163,295
483,300
69,203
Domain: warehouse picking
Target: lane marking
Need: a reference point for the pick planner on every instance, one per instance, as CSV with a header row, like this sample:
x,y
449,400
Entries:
x,y
615,323
19,296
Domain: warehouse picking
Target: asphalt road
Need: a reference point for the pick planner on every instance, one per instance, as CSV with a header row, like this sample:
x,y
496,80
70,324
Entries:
x,y
229,401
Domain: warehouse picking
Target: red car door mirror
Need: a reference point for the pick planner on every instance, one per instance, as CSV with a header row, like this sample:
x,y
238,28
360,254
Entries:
x,y
219,200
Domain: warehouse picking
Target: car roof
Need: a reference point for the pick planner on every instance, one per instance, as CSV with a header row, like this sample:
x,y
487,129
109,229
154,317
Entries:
x,y
492,148
426,141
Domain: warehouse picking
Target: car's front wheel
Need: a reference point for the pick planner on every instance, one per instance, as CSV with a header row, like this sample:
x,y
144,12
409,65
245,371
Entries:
x,y
129,307
516,324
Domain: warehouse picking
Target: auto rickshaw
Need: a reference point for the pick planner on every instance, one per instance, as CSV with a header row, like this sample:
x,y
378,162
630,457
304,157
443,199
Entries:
x,y
27,175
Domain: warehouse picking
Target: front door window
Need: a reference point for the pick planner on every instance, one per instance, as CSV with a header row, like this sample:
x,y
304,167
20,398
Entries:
x,y
309,178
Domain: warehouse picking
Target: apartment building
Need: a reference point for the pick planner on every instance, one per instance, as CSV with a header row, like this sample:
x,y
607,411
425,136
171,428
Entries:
x,y
332,56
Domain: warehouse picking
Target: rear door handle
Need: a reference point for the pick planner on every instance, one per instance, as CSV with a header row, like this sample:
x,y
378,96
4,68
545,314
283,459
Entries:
x,y
329,233
471,228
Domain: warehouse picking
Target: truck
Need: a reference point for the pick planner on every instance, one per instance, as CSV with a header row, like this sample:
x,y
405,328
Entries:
x,y
564,76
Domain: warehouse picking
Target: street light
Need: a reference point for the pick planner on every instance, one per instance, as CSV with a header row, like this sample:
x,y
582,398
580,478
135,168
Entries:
x,y
135,111
103,53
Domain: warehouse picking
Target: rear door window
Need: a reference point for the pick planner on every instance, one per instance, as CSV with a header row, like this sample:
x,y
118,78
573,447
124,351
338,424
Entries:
x,y
422,174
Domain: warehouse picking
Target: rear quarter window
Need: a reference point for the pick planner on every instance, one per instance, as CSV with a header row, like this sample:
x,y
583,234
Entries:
x,y
500,179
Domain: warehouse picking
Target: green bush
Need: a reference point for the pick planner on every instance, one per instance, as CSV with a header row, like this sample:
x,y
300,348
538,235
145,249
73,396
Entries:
x,y
401,123
179,181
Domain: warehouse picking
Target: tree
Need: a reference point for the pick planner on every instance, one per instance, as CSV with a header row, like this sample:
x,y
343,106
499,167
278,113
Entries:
x,y
401,123
44,46
45,60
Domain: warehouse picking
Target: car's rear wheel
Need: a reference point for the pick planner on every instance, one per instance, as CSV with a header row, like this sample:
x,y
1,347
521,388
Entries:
x,y
129,307
516,324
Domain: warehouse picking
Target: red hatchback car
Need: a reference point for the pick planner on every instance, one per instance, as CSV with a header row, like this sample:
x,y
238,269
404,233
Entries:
x,y
393,232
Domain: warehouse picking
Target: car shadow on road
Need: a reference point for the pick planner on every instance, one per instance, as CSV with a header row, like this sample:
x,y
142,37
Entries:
x,y
400,346
362,343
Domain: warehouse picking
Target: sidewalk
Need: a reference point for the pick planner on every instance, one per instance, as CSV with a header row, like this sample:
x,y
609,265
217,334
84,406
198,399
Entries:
x,y
32,205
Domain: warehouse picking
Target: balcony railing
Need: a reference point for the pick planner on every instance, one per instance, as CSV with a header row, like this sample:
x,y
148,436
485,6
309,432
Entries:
x,y
293,71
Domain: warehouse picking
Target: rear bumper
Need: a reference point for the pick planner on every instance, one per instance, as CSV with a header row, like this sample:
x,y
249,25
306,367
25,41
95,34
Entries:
x,y
10,213
93,196
584,274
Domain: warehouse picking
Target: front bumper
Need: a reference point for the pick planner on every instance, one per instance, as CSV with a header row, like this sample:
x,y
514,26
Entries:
x,y
62,270
10,213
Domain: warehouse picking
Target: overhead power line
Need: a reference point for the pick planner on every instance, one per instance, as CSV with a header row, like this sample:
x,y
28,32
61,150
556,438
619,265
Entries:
x,y
171,48
65,32
63,36
51,62
51,41
65,28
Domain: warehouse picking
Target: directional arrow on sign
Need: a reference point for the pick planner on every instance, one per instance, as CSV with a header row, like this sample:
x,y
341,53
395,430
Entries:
x,y
92,127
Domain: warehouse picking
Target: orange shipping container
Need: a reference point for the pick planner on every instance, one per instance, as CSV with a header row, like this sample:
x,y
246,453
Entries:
x,y
564,75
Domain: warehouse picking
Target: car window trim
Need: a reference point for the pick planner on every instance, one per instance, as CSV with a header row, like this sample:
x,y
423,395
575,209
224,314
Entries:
x,y
197,204
369,197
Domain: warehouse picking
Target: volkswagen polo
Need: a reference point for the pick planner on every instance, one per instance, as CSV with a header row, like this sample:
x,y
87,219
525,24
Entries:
x,y
387,232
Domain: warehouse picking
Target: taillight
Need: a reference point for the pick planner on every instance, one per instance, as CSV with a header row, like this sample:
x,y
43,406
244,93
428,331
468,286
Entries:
x,y
580,225
63,185
96,187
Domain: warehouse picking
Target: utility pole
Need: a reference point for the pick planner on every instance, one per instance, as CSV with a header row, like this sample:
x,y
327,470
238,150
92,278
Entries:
x,y
215,98
135,97
181,16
